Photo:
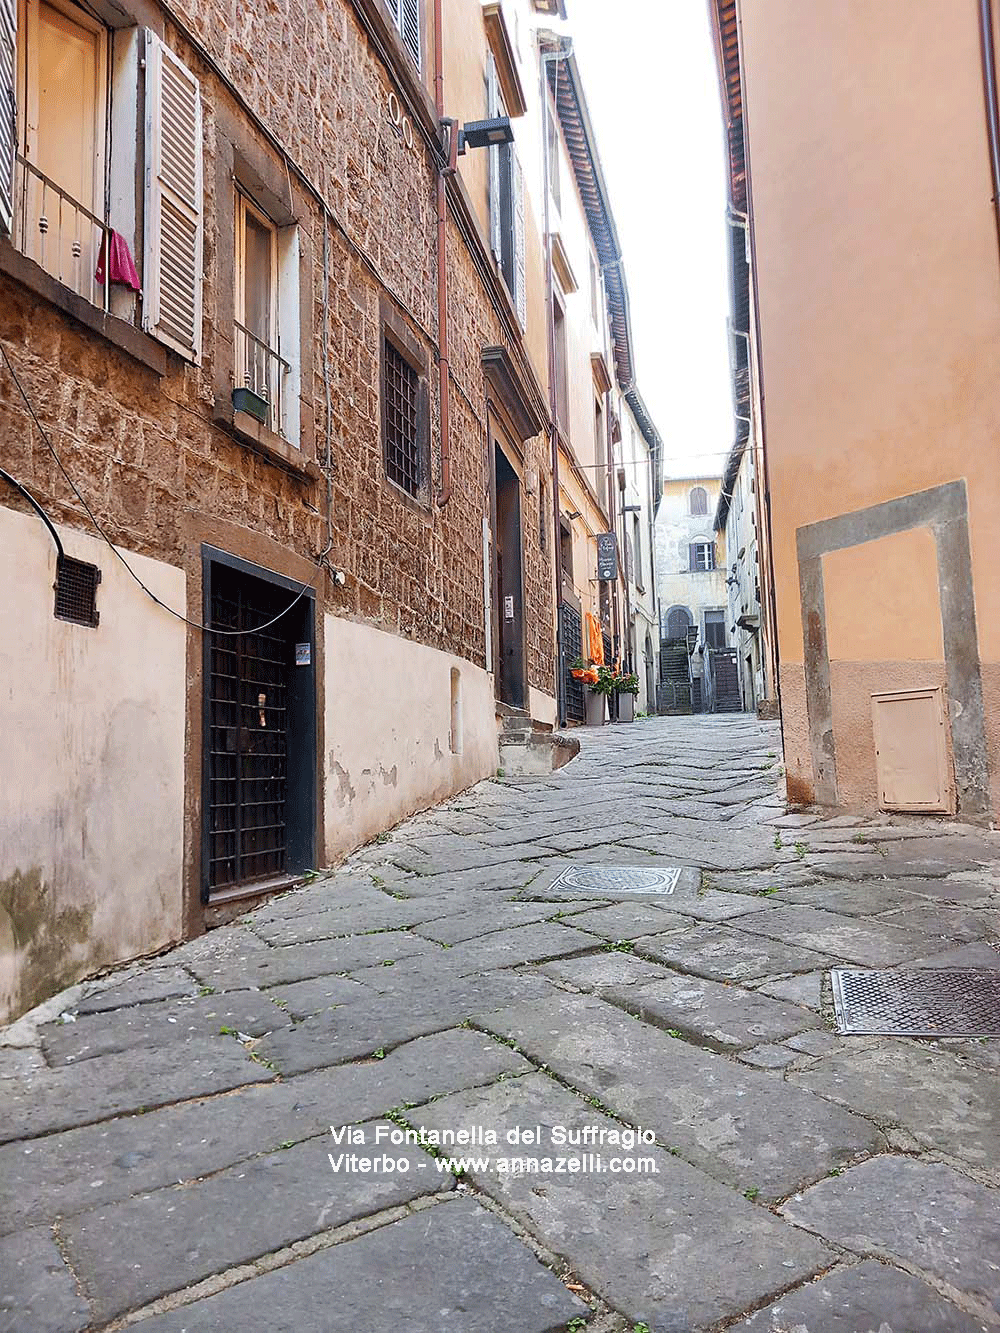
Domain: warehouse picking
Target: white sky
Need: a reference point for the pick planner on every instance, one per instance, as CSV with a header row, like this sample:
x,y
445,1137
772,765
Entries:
x,y
649,74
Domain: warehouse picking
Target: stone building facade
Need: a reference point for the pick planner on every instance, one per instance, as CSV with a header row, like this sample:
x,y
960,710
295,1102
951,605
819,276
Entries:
x,y
297,532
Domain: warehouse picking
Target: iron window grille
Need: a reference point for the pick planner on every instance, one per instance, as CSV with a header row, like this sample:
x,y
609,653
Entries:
x,y
76,591
404,451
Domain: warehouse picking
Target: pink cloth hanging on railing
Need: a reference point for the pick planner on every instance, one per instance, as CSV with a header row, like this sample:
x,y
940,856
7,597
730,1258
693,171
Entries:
x,y
120,265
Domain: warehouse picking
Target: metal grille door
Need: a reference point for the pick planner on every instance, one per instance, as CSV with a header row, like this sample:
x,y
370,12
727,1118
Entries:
x,y
572,647
247,731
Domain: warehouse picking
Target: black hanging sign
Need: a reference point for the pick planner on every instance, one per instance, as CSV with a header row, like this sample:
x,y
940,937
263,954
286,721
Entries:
x,y
607,557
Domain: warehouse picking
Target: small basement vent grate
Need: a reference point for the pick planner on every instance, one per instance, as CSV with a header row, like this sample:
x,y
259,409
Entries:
x,y
76,591
614,880
936,1002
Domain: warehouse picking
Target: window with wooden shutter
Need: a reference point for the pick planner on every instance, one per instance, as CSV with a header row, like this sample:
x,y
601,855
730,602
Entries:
x,y
406,17
520,292
174,202
702,557
493,105
8,47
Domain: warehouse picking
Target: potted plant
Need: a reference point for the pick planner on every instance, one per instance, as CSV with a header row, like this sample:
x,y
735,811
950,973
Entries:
x,y
579,669
626,687
254,404
601,688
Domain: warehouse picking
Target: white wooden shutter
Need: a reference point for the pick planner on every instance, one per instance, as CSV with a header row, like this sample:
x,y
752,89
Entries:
x,y
172,271
8,48
520,271
410,27
493,109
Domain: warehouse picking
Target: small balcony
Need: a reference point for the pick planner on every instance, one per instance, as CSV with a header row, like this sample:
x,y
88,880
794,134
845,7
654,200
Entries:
x,y
58,233
260,378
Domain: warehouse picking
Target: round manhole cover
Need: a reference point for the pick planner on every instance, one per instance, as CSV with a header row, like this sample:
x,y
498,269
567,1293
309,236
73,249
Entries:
x,y
620,879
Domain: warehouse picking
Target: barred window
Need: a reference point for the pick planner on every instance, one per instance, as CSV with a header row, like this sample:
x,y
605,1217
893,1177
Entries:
x,y
401,421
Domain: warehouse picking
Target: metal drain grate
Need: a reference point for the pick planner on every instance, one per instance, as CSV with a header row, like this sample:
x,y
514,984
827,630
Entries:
x,y
615,880
936,1002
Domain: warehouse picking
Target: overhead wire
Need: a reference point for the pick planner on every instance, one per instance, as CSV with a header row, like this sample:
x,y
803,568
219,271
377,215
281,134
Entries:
x,y
195,624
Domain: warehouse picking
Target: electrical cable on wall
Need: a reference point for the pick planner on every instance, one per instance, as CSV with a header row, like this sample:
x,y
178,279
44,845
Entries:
x,y
195,624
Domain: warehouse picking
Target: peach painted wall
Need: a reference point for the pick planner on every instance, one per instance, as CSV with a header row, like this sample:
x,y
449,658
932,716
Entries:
x,y
879,299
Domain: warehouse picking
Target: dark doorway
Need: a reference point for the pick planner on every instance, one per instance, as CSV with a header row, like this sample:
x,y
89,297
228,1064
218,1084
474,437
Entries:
x,y
511,688
677,622
259,727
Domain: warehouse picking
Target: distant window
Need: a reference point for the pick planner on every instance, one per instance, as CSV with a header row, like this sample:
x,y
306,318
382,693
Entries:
x,y
699,500
561,363
566,550
702,556
715,629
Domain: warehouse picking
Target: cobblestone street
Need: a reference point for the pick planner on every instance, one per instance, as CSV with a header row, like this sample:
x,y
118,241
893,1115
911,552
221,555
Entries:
x,y
167,1151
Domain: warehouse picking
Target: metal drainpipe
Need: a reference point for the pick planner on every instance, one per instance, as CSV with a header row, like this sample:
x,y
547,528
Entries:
x,y
553,402
612,515
765,499
990,96
444,383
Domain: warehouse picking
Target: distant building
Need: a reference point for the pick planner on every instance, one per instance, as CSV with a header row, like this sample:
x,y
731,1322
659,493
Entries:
x,y
691,584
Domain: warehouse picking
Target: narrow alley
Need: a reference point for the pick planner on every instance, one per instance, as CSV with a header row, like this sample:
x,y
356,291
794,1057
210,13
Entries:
x,y
642,940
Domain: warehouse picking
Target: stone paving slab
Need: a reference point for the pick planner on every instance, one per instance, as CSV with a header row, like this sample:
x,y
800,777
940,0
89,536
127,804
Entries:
x,y
270,967
595,972
126,1256
627,921
160,983
110,1085
495,950
703,1104
944,1103
923,1214
151,1025
806,989
37,1291
869,943
865,1298
507,878
340,891
711,905
956,888
724,1018
452,1266
976,955
354,1032
729,955
949,924
78,1169
483,920
669,1247
302,999
385,914
851,899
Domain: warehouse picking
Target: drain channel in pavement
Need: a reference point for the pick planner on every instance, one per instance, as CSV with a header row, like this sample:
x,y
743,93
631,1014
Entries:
x,y
934,1002
616,880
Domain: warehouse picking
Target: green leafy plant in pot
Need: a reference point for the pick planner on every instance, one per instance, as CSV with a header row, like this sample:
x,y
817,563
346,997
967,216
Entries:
x,y
626,688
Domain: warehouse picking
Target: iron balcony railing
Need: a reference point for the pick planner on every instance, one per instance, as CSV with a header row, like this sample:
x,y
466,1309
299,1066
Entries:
x,y
263,371
56,231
